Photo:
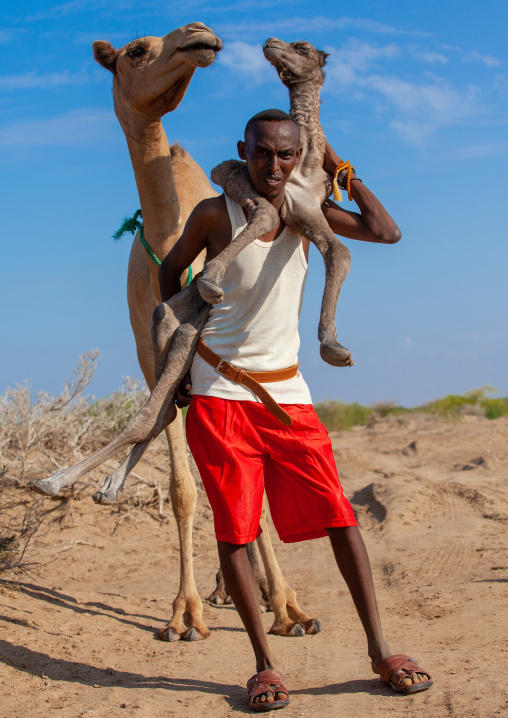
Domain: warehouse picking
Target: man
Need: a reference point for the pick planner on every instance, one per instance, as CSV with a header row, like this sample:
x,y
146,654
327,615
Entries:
x,y
239,446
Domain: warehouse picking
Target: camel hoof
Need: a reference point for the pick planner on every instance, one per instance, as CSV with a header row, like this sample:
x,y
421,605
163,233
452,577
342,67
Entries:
x,y
335,354
312,626
295,630
210,291
216,600
104,498
41,487
168,633
228,601
191,634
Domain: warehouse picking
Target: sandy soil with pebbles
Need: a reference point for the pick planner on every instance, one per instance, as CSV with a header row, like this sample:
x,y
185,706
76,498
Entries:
x,y
432,501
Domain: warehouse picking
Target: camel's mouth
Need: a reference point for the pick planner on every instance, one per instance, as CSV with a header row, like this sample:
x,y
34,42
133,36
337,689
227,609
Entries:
x,y
214,44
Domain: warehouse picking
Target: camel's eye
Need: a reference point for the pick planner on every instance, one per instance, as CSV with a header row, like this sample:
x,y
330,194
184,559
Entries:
x,y
136,53
301,48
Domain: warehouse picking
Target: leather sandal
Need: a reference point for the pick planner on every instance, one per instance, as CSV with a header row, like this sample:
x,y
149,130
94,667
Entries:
x,y
389,667
270,681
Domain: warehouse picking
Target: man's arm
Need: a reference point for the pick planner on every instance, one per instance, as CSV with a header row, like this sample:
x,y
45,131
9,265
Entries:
x,y
374,224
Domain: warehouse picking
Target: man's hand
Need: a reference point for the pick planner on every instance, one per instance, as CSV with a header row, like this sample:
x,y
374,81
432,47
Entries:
x,y
183,397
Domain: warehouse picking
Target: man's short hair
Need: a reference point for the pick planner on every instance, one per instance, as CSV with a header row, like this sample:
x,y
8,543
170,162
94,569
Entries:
x,y
268,116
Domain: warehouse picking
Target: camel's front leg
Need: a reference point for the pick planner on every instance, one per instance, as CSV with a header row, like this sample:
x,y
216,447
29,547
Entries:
x,y
108,494
187,620
289,618
337,259
233,177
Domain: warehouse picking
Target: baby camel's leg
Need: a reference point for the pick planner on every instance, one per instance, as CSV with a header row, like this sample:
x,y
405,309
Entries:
x,y
337,259
289,619
108,494
233,177
158,411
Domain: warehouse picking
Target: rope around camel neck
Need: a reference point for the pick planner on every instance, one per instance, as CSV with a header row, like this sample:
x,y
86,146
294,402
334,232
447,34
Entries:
x,y
132,225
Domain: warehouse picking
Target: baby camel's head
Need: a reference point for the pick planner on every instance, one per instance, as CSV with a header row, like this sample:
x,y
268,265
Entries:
x,y
295,61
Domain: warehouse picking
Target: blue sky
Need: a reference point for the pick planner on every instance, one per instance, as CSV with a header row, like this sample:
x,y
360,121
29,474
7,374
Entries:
x,y
415,96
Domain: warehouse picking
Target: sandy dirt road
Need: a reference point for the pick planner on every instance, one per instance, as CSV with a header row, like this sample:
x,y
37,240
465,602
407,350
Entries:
x,y
432,502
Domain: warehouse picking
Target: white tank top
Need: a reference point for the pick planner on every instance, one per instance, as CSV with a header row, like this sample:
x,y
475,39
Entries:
x,y
256,325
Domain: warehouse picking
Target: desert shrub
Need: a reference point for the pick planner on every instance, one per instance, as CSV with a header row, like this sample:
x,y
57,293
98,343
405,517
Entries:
x,y
339,416
383,408
46,432
475,401
18,526
495,407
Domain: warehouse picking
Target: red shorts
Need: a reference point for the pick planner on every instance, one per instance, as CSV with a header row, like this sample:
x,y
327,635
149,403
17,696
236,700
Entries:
x,y
241,450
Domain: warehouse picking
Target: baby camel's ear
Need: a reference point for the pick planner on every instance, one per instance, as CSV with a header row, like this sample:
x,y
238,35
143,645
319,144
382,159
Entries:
x,y
323,56
105,54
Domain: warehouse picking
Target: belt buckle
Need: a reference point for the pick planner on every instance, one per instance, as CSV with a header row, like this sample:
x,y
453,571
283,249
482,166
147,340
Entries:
x,y
217,368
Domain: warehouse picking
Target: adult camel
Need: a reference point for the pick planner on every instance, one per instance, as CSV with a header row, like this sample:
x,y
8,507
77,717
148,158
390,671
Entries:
x,y
150,78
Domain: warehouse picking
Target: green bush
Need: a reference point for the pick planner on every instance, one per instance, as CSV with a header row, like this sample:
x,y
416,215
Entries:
x,y
338,416
454,405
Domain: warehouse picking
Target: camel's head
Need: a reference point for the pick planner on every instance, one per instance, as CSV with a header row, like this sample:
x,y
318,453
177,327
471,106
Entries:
x,y
151,74
295,61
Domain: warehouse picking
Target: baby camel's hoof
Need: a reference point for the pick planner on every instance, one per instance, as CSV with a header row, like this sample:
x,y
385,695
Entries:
x,y
295,630
335,354
105,497
210,291
312,626
42,487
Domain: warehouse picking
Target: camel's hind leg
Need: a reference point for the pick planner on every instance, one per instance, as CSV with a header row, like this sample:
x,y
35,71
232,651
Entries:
x,y
337,259
187,620
220,595
289,618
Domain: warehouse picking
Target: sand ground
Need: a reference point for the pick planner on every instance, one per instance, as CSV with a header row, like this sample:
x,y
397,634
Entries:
x,y
432,503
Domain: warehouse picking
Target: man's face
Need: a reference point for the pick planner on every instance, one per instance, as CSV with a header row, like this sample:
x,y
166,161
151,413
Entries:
x,y
271,150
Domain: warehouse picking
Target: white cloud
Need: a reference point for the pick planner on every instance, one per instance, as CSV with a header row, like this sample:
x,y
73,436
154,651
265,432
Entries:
x,y
480,151
248,62
419,107
474,56
34,79
86,126
303,25
487,60
434,58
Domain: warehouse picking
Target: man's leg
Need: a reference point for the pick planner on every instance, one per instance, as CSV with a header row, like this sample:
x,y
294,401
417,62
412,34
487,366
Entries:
x,y
353,562
243,589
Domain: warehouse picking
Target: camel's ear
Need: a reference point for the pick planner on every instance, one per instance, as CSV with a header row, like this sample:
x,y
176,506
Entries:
x,y
105,54
323,57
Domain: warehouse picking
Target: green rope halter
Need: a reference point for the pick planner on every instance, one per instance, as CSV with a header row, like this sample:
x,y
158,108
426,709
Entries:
x,y
132,225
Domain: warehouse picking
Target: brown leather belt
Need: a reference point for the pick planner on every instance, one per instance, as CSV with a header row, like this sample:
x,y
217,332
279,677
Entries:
x,y
251,379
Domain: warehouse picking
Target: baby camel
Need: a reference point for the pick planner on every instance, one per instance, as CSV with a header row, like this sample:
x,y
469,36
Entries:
x,y
300,67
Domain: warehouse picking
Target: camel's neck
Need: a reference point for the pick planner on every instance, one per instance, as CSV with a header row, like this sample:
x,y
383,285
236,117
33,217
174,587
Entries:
x,y
304,108
151,161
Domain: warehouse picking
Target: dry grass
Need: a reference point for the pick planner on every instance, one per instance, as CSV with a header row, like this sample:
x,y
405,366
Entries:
x,y
43,433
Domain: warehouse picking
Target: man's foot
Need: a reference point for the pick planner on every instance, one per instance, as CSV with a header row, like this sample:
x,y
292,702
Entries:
x,y
403,674
267,691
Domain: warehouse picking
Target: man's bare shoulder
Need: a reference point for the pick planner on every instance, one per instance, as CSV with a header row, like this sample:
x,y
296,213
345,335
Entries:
x,y
212,210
